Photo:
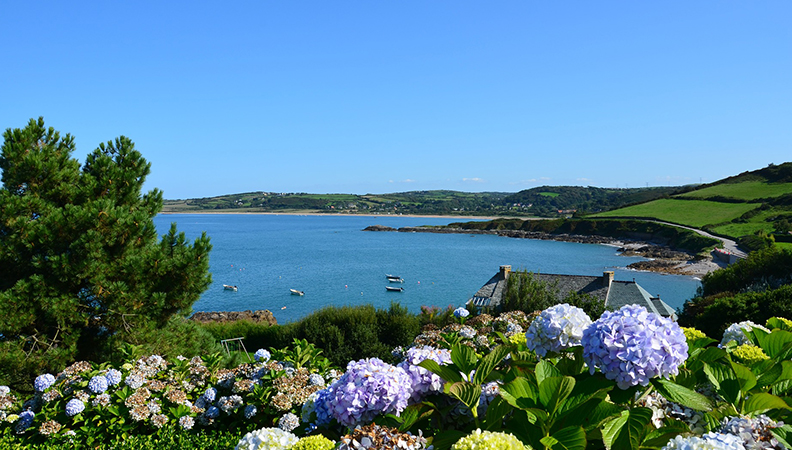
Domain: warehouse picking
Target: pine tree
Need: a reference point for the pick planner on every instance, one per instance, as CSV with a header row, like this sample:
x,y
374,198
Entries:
x,y
81,263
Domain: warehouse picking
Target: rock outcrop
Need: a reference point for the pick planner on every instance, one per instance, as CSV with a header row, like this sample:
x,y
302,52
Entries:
x,y
232,316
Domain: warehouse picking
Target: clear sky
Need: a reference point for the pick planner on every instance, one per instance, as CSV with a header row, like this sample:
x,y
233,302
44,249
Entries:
x,y
390,96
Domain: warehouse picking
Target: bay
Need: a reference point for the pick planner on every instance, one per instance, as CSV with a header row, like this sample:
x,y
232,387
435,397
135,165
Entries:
x,y
334,262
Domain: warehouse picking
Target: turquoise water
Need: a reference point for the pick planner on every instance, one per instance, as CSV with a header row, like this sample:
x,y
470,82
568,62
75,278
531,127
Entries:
x,y
335,263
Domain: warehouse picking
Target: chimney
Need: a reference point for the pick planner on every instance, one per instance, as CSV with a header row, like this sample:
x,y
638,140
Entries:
x,y
505,271
607,278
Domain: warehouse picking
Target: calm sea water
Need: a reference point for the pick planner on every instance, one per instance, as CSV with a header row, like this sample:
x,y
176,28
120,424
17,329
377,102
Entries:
x,y
335,263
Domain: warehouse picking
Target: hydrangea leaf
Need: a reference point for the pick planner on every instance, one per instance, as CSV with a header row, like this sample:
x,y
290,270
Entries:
x,y
770,375
775,344
546,369
445,372
496,411
628,430
761,402
724,379
783,434
464,358
488,363
520,393
745,376
682,395
467,393
554,390
570,438
658,438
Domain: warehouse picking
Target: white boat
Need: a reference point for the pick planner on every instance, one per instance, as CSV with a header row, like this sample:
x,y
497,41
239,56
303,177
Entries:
x,y
230,288
394,279
296,292
394,289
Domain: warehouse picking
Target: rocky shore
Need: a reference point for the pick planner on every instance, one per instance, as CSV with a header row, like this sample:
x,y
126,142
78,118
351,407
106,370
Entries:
x,y
661,258
259,316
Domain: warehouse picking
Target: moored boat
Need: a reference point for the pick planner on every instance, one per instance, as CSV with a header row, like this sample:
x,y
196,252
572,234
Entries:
x,y
230,288
296,292
394,279
394,289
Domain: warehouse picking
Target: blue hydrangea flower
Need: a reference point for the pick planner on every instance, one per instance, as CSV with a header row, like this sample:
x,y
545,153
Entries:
x,y
25,421
461,312
74,407
709,441
755,433
134,381
250,411
262,355
43,382
316,380
213,412
632,346
113,377
556,328
423,381
98,384
210,394
367,388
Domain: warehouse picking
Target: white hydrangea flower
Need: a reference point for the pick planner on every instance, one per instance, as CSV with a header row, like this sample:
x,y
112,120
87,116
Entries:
x,y
556,328
735,332
267,439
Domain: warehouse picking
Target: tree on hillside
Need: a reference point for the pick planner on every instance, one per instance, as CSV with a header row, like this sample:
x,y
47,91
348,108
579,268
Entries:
x,y
81,264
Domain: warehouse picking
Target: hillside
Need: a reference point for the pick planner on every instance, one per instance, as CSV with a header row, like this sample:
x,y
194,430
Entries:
x,y
545,201
747,204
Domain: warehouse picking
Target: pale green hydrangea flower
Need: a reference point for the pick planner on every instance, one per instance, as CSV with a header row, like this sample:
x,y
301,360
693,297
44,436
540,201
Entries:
x,y
518,339
267,439
317,442
691,334
749,354
488,440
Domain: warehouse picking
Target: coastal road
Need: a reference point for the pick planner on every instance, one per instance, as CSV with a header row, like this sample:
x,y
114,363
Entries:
x,y
728,244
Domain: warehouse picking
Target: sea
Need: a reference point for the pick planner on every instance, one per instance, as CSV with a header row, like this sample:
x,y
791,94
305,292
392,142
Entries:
x,y
334,262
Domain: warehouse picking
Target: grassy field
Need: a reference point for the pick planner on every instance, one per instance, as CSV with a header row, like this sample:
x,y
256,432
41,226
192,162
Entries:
x,y
694,213
748,190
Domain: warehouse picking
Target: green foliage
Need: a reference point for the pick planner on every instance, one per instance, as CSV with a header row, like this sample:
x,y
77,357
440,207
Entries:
x,y
526,293
771,268
757,241
80,255
694,213
167,439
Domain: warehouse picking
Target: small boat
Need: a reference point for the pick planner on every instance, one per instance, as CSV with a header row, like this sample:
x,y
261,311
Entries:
x,y
394,289
230,288
296,292
394,279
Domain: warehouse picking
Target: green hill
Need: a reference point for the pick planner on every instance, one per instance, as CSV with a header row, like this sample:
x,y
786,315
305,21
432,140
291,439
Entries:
x,y
758,201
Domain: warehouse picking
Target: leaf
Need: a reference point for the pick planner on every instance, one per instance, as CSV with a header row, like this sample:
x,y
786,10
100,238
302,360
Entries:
x,y
554,390
783,434
724,379
660,437
745,376
570,438
488,363
682,395
464,358
496,411
518,389
627,430
448,374
759,403
445,439
774,343
771,375
467,393
546,369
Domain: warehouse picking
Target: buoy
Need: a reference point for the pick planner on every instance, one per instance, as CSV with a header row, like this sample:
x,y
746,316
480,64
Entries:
x,y
346,286
283,307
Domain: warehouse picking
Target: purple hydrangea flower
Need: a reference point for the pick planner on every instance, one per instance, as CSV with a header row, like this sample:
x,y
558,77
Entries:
x,y
633,346
98,384
423,381
113,377
368,387
262,355
43,382
556,328
74,407
461,312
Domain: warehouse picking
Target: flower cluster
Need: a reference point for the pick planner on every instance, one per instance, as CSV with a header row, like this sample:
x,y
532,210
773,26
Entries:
x,y
267,439
376,437
461,312
709,441
755,433
632,346
736,332
262,355
489,440
367,388
749,354
316,442
557,328
43,382
692,334
423,381
663,409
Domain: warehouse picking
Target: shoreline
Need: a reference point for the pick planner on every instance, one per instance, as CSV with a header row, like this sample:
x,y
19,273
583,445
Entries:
x,y
315,213
660,258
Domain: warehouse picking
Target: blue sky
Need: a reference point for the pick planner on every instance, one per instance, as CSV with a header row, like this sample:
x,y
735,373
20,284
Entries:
x,y
377,96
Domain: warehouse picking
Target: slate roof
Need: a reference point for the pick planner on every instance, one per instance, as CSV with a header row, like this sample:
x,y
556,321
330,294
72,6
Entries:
x,y
614,293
